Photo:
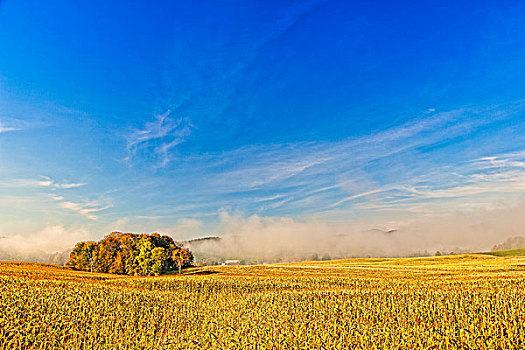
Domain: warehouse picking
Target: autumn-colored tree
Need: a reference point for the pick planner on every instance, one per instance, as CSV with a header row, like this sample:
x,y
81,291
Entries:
x,y
118,264
182,257
131,254
106,254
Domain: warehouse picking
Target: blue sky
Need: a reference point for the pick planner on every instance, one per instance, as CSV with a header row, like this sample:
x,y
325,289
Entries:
x,y
171,116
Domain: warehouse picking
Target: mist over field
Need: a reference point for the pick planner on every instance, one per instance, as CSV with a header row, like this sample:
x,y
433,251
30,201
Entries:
x,y
51,244
256,239
267,239
259,239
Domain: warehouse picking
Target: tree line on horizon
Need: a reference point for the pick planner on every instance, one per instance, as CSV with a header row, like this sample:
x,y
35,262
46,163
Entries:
x,y
131,254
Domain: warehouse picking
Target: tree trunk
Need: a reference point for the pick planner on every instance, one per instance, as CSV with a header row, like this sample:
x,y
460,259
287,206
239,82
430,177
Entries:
x,y
180,267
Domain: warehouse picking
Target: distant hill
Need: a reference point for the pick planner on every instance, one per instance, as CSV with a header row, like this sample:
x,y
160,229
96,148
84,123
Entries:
x,y
377,230
201,240
508,252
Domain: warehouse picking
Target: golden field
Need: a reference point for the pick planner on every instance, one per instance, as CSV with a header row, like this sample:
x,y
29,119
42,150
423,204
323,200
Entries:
x,y
453,302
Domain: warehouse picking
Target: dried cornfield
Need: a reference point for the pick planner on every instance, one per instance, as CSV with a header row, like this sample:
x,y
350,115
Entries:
x,y
459,302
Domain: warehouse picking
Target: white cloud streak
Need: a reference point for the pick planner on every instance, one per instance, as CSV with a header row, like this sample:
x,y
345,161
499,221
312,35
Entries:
x,y
389,171
488,176
6,129
160,136
7,125
310,165
44,181
87,209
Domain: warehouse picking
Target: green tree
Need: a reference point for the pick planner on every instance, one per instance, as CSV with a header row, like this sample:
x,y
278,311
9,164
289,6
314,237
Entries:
x,y
128,244
82,256
158,256
144,258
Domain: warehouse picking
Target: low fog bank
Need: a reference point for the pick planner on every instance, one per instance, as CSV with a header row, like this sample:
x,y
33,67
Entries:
x,y
517,242
257,239
50,245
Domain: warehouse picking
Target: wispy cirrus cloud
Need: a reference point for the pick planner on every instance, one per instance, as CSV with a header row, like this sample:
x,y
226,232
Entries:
x,y
259,166
70,185
87,209
56,197
4,128
159,136
471,184
43,181
387,167
10,124
48,182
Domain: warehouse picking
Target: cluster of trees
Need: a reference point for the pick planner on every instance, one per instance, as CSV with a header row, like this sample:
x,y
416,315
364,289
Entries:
x,y
131,254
